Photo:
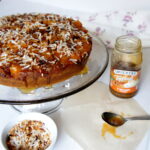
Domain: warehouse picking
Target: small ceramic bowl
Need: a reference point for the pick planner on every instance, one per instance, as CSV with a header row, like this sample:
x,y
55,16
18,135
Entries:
x,y
49,124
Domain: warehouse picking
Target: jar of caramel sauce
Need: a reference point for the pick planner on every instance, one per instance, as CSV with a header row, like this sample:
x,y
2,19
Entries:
x,y
125,69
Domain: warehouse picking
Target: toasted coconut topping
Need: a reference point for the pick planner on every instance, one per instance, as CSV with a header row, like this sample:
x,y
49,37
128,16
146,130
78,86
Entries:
x,y
40,40
29,135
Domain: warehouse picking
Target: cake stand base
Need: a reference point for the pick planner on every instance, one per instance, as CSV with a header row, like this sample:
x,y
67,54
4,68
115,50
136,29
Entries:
x,y
45,108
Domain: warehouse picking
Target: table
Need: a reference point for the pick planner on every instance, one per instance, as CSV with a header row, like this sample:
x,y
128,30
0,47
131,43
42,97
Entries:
x,y
65,142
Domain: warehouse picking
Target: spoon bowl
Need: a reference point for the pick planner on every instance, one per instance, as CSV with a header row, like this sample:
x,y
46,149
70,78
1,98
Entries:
x,y
118,120
113,119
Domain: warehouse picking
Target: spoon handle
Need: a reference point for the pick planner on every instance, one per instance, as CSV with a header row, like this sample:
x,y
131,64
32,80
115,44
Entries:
x,y
139,118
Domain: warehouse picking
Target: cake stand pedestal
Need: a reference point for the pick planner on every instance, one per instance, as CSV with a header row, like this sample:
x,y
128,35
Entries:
x,y
45,108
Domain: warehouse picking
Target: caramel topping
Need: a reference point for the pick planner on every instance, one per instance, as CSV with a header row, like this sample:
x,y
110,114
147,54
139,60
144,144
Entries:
x,y
37,41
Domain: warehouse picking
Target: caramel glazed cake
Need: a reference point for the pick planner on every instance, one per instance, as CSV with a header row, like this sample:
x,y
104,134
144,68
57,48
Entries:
x,y
38,50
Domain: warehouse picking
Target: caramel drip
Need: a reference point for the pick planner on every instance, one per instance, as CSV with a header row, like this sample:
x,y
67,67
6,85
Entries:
x,y
106,128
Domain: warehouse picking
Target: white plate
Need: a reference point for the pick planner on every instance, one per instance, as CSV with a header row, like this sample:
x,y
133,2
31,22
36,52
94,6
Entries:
x,y
49,123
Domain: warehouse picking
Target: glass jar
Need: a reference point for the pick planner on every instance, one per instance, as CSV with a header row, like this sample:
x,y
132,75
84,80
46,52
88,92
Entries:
x,y
126,66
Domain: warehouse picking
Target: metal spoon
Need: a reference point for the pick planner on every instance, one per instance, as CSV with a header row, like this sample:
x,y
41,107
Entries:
x,y
117,120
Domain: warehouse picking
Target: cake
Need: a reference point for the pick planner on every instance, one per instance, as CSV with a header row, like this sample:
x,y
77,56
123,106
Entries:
x,y
38,50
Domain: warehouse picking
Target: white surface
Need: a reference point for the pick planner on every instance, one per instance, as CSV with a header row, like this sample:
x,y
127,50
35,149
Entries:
x,y
99,5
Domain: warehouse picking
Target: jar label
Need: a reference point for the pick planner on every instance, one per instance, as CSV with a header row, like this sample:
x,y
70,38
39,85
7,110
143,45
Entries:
x,y
123,81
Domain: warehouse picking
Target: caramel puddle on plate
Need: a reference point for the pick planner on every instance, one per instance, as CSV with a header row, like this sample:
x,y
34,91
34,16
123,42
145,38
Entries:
x,y
32,90
106,128
27,90
84,70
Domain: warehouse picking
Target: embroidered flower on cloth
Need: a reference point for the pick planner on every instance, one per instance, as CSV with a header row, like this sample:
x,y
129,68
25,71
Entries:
x,y
109,25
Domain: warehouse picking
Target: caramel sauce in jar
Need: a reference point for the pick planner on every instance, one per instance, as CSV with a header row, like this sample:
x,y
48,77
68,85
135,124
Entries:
x,y
126,66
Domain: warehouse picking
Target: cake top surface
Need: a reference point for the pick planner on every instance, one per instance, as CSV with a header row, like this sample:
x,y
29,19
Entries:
x,y
36,40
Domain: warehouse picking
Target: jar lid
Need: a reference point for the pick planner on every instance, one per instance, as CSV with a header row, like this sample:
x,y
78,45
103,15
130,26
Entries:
x,y
128,44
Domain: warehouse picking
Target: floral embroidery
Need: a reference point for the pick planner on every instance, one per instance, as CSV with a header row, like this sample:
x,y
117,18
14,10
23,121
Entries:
x,y
108,26
130,32
108,16
77,17
132,13
98,31
116,12
92,17
127,19
142,27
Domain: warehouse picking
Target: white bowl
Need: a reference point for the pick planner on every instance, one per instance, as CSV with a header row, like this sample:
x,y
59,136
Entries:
x,y
49,123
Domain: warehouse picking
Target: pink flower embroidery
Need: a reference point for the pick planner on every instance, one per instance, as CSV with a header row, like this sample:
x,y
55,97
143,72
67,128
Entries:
x,y
132,13
92,17
127,19
142,27
111,14
130,33
77,17
108,16
98,31
116,12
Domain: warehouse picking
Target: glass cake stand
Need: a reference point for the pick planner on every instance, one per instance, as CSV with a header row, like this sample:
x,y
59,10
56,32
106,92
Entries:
x,y
47,100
